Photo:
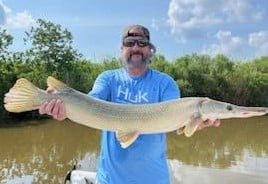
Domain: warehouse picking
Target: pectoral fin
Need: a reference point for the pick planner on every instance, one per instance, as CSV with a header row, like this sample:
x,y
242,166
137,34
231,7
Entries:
x,y
126,138
192,125
180,130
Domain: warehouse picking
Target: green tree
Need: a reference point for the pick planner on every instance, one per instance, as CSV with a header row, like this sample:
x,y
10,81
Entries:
x,y
160,63
52,46
219,71
248,85
5,41
193,75
84,74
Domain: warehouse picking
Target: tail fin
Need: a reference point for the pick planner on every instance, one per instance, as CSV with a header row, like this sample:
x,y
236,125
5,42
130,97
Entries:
x,y
23,96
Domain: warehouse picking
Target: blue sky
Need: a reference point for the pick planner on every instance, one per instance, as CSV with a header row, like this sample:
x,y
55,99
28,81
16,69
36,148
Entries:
x,y
236,28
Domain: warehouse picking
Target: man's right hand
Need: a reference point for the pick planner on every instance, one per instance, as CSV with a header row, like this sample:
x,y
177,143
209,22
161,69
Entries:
x,y
54,108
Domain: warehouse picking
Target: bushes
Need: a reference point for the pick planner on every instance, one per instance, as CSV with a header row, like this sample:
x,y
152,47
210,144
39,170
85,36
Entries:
x,y
52,53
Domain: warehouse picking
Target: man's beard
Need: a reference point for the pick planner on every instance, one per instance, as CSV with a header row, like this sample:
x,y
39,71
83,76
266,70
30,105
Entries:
x,y
128,63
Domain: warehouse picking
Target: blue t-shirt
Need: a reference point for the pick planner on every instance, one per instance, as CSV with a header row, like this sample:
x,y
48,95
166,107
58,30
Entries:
x,y
145,160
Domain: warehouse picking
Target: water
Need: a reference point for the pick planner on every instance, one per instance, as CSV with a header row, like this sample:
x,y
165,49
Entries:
x,y
43,151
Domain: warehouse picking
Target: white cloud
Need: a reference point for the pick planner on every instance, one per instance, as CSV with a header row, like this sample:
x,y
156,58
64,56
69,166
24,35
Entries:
x,y
242,10
20,20
227,44
259,41
190,18
14,20
186,17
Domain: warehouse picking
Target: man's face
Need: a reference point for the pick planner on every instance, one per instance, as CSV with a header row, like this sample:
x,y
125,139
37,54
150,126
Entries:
x,y
136,51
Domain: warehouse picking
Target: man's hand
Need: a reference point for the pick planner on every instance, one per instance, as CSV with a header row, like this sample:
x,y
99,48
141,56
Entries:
x,y
54,108
209,123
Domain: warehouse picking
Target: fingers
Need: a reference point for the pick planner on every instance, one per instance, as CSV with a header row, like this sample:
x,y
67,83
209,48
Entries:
x,y
217,123
48,107
55,108
209,123
58,112
42,108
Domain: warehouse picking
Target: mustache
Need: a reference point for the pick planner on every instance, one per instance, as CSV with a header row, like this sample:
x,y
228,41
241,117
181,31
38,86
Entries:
x,y
136,52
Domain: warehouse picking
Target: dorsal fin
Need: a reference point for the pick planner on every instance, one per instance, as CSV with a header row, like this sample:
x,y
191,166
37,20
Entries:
x,y
56,84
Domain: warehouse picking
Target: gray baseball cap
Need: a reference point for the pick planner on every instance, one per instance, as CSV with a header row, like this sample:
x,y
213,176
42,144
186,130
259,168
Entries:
x,y
138,30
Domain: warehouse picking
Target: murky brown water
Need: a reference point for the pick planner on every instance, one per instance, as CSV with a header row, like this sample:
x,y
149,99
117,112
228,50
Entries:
x,y
43,151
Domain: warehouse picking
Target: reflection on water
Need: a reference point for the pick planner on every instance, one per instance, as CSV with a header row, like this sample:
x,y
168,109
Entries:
x,y
43,151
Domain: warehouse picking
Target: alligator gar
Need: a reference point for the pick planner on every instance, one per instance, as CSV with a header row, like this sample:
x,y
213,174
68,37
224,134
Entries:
x,y
127,120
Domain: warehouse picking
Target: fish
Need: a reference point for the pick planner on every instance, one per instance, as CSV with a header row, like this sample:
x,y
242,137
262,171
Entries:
x,y
128,121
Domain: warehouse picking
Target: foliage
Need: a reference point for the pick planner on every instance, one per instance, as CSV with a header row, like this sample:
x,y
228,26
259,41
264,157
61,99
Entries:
x,y
242,83
5,41
51,53
51,47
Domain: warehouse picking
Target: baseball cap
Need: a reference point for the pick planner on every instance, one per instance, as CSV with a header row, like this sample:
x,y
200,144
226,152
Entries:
x,y
138,30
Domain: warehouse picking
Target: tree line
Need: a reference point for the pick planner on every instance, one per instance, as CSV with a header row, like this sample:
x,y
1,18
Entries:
x,y
50,53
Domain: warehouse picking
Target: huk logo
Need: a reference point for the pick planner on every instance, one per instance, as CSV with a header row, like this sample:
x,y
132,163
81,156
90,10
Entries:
x,y
138,98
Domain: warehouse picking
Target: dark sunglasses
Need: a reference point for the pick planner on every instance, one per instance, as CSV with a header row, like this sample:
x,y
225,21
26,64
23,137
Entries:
x,y
132,42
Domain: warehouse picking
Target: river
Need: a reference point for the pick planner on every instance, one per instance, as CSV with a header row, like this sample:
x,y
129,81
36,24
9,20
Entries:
x,y
42,151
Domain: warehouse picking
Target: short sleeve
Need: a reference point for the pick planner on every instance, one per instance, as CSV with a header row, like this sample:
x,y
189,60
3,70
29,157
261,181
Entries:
x,y
170,90
101,87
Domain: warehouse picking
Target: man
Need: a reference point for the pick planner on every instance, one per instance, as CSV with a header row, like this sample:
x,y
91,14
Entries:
x,y
145,160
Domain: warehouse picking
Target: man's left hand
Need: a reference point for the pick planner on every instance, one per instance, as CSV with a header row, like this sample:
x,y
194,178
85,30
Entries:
x,y
209,123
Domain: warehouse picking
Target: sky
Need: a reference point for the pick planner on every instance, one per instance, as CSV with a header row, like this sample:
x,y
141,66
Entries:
x,y
235,28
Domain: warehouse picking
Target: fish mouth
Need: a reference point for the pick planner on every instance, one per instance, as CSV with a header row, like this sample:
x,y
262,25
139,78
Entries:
x,y
222,110
253,111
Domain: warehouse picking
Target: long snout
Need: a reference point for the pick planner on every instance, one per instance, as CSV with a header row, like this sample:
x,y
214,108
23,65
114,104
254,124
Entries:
x,y
252,111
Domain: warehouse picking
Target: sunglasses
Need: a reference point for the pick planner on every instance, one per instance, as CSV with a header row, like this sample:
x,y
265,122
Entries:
x,y
132,42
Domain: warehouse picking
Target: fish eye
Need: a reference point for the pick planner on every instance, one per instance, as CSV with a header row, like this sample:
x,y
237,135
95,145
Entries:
x,y
229,107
